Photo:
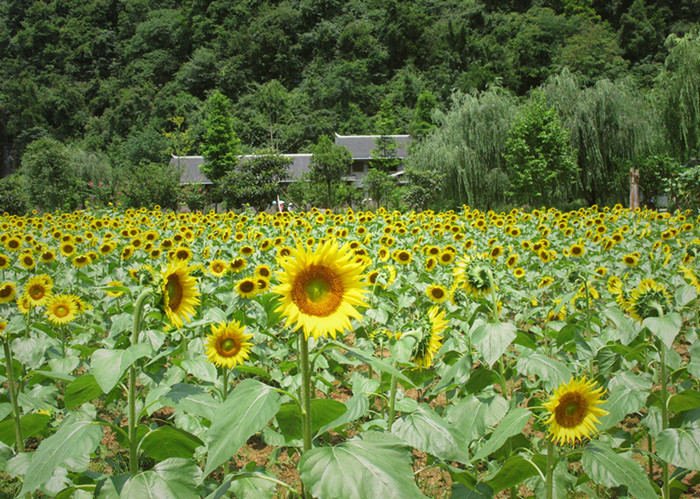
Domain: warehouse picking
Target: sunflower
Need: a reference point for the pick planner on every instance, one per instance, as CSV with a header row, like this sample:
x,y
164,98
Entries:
x,y
430,263
648,299
574,411
61,309
496,251
320,289
47,256
228,345
27,261
67,249
474,275
519,272
181,254
246,250
429,344
217,268
8,292
81,261
263,285
577,250
263,271
401,256
38,290
437,293
512,260
13,243
238,264
691,275
179,293
4,261
114,284
446,258
631,259
247,288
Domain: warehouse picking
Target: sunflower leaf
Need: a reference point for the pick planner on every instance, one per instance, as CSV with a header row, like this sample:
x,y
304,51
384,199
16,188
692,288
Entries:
x,y
474,415
680,447
515,470
360,467
513,423
323,412
603,465
246,411
552,371
174,477
628,394
82,389
665,328
492,340
168,441
426,431
109,366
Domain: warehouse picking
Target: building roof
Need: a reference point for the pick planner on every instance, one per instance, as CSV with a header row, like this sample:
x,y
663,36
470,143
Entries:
x,y
191,173
361,146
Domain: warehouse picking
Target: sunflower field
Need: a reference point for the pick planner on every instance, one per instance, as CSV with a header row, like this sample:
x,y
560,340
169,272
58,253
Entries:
x,y
463,354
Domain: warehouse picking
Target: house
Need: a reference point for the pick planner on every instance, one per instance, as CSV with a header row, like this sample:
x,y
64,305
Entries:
x,y
360,146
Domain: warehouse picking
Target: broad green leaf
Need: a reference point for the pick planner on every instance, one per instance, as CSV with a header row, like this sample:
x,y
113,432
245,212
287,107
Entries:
x,y
426,431
82,389
174,477
628,393
200,368
246,411
457,373
684,401
475,415
251,484
608,468
5,455
480,378
32,425
357,407
120,323
360,467
193,399
553,372
694,364
680,447
168,441
514,471
323,412
76,438
29,351
491,340
665,328
685,294
108,366
513,423
377,364
627,329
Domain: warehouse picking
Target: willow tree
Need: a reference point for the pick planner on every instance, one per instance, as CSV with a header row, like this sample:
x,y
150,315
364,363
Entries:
x,y
467,147
611,124
680,95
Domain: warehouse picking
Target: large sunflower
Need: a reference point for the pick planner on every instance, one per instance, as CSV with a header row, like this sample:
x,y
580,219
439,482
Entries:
x,y
320,288
648,299
426,348
179,292
574,411
61,309
227,345
38,289
474,275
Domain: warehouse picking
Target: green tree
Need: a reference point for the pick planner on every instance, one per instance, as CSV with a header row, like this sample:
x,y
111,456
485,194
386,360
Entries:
x,y
329,164
539,161
220,146
424,189
384,154
255,181
422,115
49,180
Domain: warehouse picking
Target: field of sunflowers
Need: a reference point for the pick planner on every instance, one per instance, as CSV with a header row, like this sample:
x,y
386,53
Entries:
x,y
544,353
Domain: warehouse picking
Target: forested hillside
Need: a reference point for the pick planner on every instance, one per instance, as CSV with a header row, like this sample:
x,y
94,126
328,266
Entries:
x,y
108,78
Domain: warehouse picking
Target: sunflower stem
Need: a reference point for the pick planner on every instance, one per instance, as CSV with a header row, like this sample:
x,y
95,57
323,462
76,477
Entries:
x,y
494,298
305,391
392,399
133,423
549,484
19,439
664,416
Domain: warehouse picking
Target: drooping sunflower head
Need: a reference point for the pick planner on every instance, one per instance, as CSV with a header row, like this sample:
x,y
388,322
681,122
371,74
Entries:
x,y
648,299
474,274
431,339
320,289
227,345
179,290
573,411
115,293
380,336
691,274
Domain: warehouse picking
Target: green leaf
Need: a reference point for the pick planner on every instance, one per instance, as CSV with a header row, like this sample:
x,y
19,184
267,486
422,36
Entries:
x,y
680,447
685,294
108,366
492,340
513,423
82,389
606,467
627,329
514,471
457,373
665,328
76,438
684,401
192,399
474,415
252,485
246,411
174,477
553,372
32,425
377,364
168,441
628,394
357,407
360,467
425,430
323,412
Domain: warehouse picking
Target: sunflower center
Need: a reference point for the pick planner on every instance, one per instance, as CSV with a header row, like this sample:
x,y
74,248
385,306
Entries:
x,y
247,286
318,291
438,293
227,347
571,411
5,291
174,290
61,310
36,292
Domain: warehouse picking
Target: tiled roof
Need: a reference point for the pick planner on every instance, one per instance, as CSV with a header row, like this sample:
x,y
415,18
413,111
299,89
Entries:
x,y
361,146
